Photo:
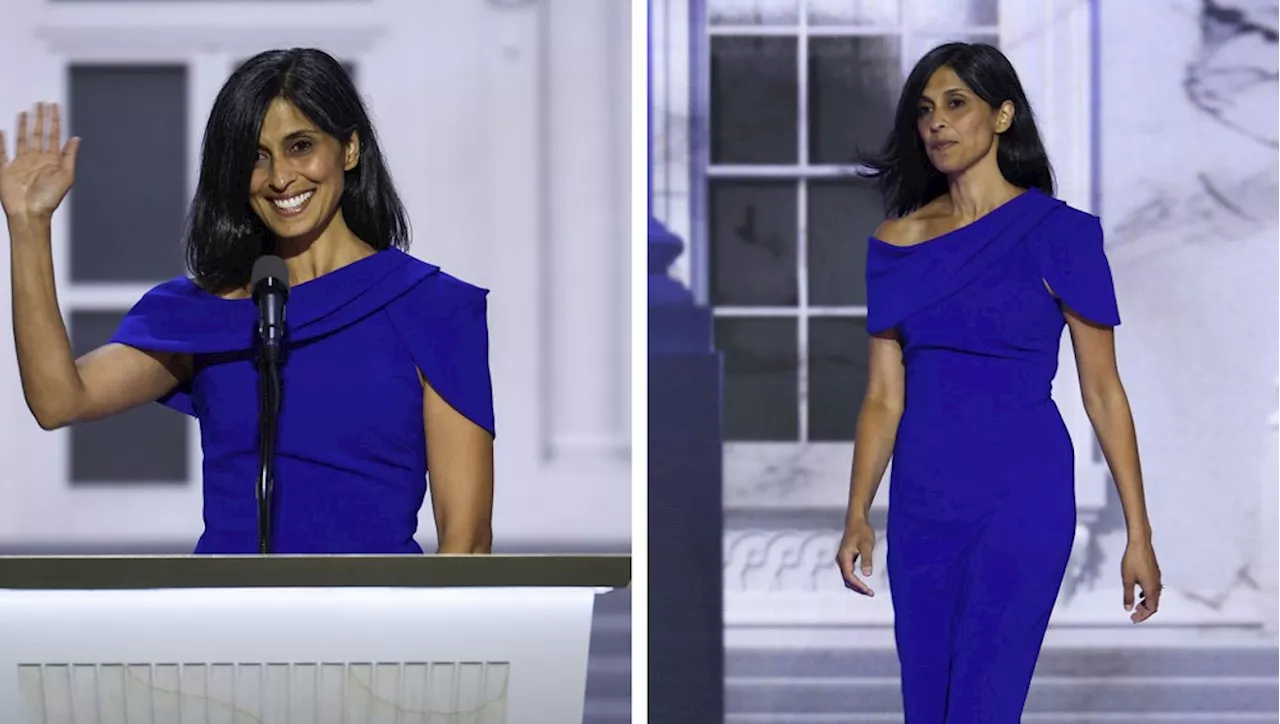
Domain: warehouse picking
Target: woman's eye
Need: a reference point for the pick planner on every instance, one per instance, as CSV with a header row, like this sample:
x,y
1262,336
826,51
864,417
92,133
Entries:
x,y
921,111
301,146
956,103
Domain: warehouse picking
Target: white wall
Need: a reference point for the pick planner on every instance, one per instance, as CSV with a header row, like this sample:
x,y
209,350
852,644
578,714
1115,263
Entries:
x,y
507,129
1189,171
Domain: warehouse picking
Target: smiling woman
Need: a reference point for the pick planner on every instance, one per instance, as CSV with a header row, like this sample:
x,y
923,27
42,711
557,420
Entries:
x,y
385,371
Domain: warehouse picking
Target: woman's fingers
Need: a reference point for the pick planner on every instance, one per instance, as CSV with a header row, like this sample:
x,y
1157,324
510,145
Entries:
x,y
1149,603
38,144
69,154
55,127
864,552
22,133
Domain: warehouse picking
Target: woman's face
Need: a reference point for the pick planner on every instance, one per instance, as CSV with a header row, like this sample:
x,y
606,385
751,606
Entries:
x,y
298,173
958,127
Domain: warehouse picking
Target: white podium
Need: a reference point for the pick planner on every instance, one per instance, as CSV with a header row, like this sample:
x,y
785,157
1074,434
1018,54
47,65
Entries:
x,y
296,640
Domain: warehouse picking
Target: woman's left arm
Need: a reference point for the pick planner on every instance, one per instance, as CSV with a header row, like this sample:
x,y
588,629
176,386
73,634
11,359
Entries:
x,y
460,463
1108,408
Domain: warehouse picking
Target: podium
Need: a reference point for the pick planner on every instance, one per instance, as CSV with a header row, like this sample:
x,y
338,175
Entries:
x,y
298,639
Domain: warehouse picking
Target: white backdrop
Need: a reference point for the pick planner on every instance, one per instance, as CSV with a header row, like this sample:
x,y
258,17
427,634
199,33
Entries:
x,y
1189,170
507,124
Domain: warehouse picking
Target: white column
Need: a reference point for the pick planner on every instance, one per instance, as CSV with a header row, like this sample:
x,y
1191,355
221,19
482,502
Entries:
x,y
672,147
584,243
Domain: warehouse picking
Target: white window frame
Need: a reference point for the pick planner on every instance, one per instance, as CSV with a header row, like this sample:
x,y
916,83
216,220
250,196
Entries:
x,y
1049,42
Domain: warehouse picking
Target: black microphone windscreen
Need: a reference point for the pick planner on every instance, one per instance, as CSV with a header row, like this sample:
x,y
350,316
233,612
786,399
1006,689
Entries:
x,y
269,267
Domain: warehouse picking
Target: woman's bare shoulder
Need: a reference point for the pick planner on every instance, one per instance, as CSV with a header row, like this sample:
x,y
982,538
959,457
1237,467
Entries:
x,y
913,228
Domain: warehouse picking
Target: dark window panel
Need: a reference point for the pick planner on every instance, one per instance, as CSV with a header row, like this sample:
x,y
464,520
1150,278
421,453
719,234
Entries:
x,y
842,214
146,444
761,364
754,101
837,376
854,84
130,201
753,243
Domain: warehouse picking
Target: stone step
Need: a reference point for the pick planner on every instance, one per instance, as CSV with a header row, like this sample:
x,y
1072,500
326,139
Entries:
x,y
1129,662
1049,695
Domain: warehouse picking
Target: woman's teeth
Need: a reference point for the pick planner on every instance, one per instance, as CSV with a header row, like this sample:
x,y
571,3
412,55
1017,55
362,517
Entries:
x,y
293,203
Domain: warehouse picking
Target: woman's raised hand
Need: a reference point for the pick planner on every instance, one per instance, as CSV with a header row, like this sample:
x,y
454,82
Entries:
x,y
36,179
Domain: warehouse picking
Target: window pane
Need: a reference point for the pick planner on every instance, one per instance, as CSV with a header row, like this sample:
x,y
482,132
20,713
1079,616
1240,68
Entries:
x,y
953,13
854,85
837,376
754,101
129,204
853,12
842,214
753,227
147,444
752,12
761,363
923,43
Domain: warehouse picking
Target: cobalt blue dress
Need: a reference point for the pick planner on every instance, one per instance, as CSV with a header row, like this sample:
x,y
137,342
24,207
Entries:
x,y
351,449
982,497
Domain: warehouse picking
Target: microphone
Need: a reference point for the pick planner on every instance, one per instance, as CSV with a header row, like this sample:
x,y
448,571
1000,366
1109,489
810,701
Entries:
x,y
269,285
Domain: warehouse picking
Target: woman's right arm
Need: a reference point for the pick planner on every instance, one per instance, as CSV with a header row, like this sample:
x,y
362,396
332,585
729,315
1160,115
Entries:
x,y
59,389
877,424
873,446
876,433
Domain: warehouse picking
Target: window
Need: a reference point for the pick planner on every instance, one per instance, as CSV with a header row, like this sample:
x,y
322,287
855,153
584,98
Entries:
x,y
126,220
792,90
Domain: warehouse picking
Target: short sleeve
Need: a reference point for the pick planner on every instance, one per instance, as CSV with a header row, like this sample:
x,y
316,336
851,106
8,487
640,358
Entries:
x,y
173,318
1074,263
443,323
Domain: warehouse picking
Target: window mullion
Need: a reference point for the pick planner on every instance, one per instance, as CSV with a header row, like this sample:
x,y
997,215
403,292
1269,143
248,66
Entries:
x,y
802,225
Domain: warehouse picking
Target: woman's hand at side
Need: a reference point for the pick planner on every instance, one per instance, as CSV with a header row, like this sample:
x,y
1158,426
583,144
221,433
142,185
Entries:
x,y
858,544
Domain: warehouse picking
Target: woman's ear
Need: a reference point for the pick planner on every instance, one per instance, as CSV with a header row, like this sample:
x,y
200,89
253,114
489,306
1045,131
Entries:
x,y
1004,117
351,151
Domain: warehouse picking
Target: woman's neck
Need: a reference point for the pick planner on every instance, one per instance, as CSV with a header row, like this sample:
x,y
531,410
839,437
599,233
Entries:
x,y
978,190
334,248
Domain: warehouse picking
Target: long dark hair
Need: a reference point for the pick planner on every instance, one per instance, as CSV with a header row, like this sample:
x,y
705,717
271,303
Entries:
x,y
905,176
224,237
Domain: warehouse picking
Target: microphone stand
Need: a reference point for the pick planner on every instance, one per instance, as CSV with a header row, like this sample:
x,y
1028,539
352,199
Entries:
x,y
270,284
268,416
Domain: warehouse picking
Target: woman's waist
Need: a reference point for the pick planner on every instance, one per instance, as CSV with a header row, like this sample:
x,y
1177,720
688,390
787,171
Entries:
x,y
977,425
956,376
315,483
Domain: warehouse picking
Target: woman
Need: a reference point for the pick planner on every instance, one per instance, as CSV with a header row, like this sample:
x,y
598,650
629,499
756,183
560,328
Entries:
x,y
386,373
969,286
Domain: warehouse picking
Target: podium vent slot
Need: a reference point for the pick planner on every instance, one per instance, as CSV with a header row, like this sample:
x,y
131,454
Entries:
x,y
432,692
